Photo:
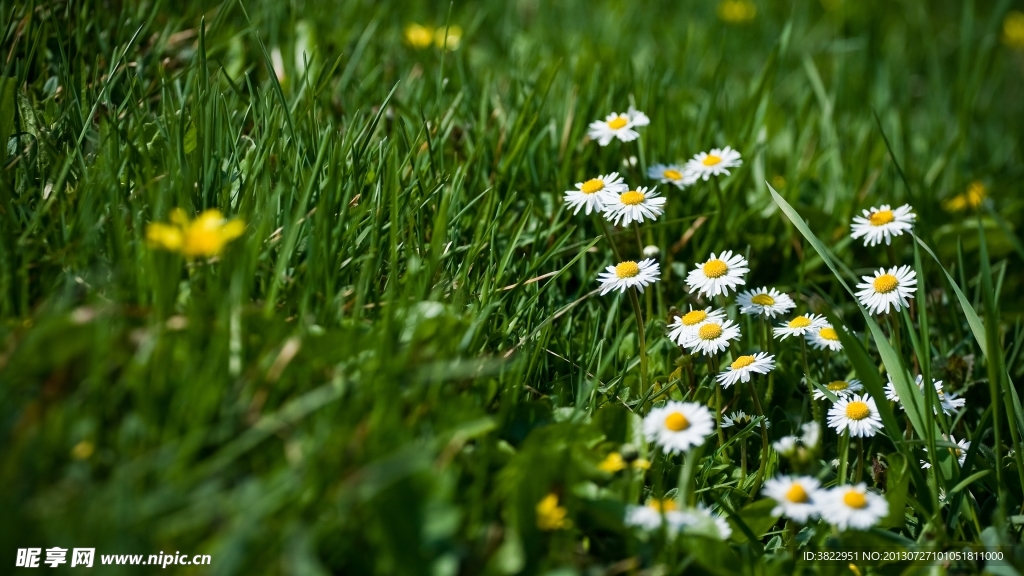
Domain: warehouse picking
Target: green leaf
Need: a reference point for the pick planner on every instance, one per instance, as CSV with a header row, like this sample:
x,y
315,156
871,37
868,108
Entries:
x,y
967,481
190,138
757,516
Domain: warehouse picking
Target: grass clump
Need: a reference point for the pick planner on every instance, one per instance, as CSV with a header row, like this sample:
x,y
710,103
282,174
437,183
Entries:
x,y
299,286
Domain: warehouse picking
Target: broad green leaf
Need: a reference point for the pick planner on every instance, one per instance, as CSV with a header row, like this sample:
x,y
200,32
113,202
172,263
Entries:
x,y
757,516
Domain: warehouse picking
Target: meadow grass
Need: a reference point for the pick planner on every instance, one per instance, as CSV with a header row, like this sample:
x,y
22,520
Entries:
x,y
403,365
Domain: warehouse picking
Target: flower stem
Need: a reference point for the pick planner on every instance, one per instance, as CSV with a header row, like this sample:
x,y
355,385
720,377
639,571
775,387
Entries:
x,y
686,481
608,237
764,442
720,220
743,459
844,456
713,371
768,349
642,339
791,531
815,409
860,459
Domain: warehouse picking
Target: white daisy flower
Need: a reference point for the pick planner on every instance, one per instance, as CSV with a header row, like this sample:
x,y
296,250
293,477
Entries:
x,y
740,419
691,322
890,393
949,402
678,426
588,194
702,520
714,163
718,274
858,414
744,366
799,326
847,507
629,274
841,388
811,434
767,301
712,337
633,206
796,496
619,126
670,174
882,223
824,336
786,445
962,446
651,251
651,516
887,289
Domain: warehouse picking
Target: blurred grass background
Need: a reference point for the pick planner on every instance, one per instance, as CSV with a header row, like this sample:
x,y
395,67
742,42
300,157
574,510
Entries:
x,y
399,358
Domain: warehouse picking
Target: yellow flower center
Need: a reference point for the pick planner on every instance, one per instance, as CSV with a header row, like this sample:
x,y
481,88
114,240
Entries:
x,y
763,300
627,269
632,198
742,362
855,499
857,410
711,160
666,505
797,494
709,331
829,334
592,185
673,174
676,422
885,283
715,268
837,386
881,217
694,317
619,122
800,322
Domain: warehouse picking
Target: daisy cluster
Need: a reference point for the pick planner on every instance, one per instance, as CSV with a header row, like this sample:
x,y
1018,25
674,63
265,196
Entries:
x,y
622,205
802,499
678,428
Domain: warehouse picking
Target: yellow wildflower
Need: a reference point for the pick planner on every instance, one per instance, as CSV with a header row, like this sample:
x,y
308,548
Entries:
x,y
972,198
1013,30
203,237
736,11
419,36
612,463
551,516
452,41
82,450
641,464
